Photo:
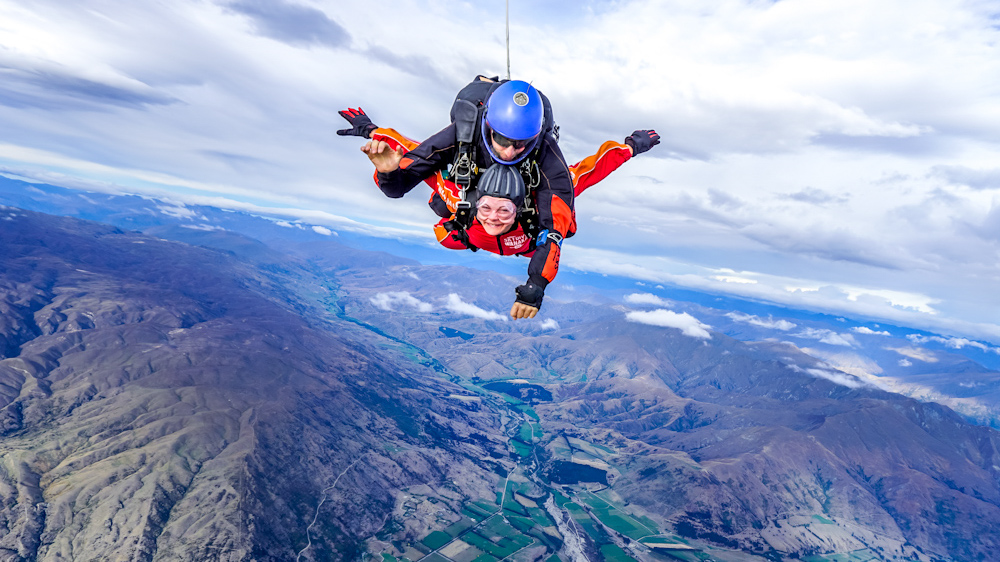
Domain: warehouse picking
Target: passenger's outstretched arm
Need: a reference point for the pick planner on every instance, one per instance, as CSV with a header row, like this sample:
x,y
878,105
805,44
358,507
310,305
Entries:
x,y
609,157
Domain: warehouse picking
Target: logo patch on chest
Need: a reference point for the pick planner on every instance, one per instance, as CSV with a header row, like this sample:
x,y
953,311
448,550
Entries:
x,y
515,242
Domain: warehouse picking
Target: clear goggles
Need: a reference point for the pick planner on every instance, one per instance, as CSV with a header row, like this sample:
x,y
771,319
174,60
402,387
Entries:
x,y
503,210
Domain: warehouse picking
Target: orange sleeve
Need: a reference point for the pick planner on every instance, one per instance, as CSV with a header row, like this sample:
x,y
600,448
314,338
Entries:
x,y
551,263
397,140
394,139
598,166
446,239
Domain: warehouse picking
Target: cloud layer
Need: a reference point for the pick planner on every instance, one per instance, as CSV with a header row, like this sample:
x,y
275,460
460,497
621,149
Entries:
x,y
833,156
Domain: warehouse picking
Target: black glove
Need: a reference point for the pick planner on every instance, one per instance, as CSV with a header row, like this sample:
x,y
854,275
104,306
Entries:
x,y
458,234
642,140
361,125
530,294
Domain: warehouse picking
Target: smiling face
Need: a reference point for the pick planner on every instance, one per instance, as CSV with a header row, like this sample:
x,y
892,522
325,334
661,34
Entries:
x,y
496,215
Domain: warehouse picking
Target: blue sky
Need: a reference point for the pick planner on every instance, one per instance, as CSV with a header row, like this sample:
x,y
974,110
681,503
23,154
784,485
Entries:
x,y
836,156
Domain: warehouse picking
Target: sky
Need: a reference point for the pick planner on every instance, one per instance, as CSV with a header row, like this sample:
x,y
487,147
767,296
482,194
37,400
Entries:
x,y
834,156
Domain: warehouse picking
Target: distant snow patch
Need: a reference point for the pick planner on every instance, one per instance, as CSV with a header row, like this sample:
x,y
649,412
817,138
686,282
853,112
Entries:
x,y
549,324
646,298
456,304
388,301
769,322
687,324
323,230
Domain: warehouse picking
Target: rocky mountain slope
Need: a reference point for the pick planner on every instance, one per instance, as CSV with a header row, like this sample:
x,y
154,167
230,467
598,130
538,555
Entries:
x,y
166,402
757,446
230,401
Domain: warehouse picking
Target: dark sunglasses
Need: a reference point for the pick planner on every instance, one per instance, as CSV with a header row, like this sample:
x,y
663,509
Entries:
x,y
504,142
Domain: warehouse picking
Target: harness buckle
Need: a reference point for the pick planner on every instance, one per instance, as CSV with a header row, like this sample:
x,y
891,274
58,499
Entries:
x,y
463,213
462,171
546,235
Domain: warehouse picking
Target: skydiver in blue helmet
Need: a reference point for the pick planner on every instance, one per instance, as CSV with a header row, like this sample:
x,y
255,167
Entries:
x,y
512,127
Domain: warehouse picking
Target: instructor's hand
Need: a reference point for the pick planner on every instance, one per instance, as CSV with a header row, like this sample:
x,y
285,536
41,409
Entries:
x,y
529,300
384,158
521,310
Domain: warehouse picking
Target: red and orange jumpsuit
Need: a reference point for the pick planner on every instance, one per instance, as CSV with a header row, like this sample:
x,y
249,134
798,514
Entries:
x,y
555,212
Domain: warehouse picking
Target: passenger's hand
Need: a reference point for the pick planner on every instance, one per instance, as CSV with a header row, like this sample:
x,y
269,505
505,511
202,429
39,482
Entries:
x,y
642,140
361,125
384,158
521,310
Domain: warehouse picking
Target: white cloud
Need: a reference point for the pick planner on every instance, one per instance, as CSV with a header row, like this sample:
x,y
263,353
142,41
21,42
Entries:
x,y
828,337
205,227
843,379
646,298
322,230
838,377
769,322
687,324
179,211
734,279
953,343
549,324
920,354
457,305
848,362
868,331
390,301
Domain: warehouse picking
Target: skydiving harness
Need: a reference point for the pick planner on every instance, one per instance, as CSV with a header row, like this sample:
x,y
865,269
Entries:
x,y
466,114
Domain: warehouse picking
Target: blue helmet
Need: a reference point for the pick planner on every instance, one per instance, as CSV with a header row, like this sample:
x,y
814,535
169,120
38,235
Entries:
x,y
514,115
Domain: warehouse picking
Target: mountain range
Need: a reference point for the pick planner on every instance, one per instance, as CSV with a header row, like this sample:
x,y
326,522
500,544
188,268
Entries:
x,y
218,385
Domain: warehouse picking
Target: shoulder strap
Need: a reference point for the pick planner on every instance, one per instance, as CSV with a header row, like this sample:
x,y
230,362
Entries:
x,y
466,114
